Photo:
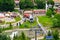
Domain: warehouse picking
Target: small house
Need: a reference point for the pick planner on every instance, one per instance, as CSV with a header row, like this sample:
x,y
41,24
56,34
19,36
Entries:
x,y
39,11
27,14
2,15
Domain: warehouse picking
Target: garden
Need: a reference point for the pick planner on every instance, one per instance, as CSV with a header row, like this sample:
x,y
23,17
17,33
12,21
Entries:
x,y
45,21
28,24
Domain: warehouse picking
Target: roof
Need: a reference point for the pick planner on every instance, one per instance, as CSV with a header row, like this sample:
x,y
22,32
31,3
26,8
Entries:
x,y
39,10
2,15
28,11
7,15
26,15
16,1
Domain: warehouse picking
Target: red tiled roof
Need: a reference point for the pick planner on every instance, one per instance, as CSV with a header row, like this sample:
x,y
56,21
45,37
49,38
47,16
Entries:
x,y
26,15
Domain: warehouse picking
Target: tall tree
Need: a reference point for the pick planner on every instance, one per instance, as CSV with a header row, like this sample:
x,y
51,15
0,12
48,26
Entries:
x,y
1,30
51,2
4,37
49,13
40,4
56,21
24,4
6,5
23,37
56,35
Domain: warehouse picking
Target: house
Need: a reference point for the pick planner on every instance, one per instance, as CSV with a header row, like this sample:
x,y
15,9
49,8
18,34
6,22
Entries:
x,y
27,13
57,2
58,9
17,3
39,11
2,15
13,14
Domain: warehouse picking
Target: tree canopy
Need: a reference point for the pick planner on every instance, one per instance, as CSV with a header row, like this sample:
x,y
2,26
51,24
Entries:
x,y
25,4
56,21
40,4
6,5
51,2
4,37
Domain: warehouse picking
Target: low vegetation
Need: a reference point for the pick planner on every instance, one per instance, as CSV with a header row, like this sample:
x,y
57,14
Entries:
x,y
45,21
27,24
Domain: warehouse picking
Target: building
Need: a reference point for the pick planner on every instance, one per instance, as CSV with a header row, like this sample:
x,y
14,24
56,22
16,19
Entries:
x,y
2,15
27,13
17,3
39,11
57,2
57,5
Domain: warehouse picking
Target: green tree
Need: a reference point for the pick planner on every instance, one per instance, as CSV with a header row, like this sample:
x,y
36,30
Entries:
x,y
29,4
1,30
4,37
22,4
40,4
49,13
49,33
23,37
56,20
25,4
51,2
6,5
56,35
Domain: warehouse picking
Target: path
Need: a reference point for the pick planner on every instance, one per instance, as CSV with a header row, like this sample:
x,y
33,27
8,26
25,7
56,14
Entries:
x,y
41,26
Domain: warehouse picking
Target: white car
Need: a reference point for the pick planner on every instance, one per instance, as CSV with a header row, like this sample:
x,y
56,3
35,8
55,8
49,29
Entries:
x,y
31,18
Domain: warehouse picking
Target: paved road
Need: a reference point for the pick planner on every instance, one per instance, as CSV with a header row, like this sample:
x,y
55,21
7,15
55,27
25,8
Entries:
x,y
26,32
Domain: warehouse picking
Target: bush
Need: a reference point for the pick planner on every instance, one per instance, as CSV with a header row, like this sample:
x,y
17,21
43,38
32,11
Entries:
x,y
49,13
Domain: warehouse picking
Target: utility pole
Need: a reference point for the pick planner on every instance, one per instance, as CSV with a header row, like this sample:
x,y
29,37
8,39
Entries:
x,y
35,30
46,6
35,34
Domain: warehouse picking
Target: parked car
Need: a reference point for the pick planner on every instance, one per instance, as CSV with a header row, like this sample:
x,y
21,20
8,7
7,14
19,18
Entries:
x,y
31,18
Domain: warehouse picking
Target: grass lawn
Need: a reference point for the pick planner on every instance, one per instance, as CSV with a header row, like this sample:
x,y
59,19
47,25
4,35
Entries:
x,y
17,18
16,10
8,28
27,24
45,21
